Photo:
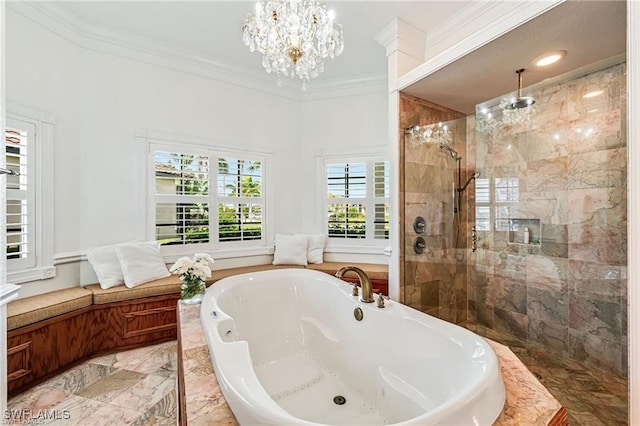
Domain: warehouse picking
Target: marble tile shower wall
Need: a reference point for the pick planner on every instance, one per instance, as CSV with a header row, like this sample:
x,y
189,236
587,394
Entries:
x,y
435,281
568,293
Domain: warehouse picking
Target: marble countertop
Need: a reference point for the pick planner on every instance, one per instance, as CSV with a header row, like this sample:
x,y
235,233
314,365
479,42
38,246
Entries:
x,y
528,401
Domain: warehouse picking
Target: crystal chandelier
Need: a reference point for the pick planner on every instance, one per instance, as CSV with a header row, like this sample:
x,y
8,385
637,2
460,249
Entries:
x,y
293,36
515,111
437,134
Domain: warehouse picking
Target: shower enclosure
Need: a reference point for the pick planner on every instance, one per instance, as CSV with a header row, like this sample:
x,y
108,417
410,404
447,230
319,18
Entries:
x,y
435,177
558,171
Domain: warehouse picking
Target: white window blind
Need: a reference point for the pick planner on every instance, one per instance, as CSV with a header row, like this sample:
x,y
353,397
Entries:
x,y
381,199
501,194
240,199
507,193
357,204
188,184
483,203
20,206
182,201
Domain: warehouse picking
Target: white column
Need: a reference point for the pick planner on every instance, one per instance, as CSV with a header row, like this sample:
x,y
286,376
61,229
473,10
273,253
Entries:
x,y
405,50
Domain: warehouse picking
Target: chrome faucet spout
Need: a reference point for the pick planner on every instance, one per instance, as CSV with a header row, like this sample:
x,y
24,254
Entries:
x,y
365,282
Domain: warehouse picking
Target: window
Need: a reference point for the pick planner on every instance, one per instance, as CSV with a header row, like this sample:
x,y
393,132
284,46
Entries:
x,y
29,194
357,203
505,193
20,194
207,199
240,199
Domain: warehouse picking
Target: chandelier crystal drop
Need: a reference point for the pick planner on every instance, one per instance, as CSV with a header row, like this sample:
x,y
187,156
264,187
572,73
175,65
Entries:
x,y
437,134
293,36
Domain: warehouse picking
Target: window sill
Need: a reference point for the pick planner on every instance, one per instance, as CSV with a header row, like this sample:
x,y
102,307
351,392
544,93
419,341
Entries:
x,y
379,250
227,253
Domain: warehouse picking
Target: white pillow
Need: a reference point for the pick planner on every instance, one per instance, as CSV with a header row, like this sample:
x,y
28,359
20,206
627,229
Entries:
x,y
290,250
106,264
141,262
315,247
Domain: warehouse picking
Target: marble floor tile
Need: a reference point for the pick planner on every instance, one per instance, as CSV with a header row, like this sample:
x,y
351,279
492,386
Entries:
x,y
79,378
145,393
74,410
112,386
102,391
111,415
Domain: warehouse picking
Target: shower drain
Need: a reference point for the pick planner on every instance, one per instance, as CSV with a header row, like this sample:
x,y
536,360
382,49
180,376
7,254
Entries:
x,y
339,400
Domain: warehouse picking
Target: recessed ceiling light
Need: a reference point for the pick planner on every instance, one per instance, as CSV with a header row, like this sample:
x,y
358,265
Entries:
x,y
549,58
593,94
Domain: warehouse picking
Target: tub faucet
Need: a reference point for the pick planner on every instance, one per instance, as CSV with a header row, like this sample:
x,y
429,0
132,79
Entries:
x,y
365,282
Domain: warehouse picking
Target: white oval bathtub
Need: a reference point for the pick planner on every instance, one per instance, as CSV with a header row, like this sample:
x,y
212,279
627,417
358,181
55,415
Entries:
x,y
287,349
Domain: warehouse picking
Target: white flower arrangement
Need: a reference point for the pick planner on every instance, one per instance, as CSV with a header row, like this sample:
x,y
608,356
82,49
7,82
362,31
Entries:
x,y
193,273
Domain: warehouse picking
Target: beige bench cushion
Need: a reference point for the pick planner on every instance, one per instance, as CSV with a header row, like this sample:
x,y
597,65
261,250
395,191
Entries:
x,y
32,309
375,271
168,285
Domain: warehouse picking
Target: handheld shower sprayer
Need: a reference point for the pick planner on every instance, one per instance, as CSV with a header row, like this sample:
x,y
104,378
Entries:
x,y
476,175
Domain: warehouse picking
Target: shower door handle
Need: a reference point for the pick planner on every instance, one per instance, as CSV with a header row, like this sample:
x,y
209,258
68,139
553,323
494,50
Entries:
x,y
474,240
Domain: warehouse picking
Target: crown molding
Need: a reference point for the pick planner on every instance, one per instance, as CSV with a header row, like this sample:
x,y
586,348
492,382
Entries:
x,y
56,19
345,87
467,21
399,35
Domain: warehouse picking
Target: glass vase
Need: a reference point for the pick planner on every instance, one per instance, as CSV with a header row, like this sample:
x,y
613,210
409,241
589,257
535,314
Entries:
x,y
192,291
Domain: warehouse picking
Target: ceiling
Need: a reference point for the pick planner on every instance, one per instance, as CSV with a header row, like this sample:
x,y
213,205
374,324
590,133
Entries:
x,y
588,30
213,29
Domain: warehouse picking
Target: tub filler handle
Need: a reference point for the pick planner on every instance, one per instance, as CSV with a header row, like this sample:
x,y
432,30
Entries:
x,y
380,301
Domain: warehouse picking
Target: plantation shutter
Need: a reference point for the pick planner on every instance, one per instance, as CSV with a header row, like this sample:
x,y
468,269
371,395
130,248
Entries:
x,y
20,190
483,209
346,194
381,199
240,199
182,198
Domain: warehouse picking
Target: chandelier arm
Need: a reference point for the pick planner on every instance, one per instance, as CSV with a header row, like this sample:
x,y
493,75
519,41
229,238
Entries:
x,y
315,26
276,25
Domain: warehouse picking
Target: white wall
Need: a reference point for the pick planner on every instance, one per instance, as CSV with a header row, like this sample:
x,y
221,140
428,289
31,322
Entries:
x,y
99,100
350,125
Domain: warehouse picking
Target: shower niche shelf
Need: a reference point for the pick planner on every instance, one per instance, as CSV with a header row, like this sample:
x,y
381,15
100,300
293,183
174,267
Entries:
x,y
517,227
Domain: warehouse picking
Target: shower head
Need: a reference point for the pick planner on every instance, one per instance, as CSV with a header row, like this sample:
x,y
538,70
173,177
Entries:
x,y
450,150
520,101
